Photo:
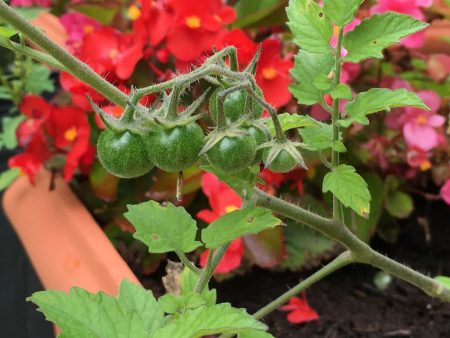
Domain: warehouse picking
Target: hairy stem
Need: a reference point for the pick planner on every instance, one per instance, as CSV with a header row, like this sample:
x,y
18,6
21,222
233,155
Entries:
x,y
337,214
206,274
77,68
187,263
361,252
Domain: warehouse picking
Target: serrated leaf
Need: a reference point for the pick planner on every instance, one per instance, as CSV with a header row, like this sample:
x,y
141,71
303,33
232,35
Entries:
x,y
103,13
310,26
378,99
163,228
7,177
320,137
10,125
290,121
374,34
342,91
238,223
208,320
322,82
171,303
83,314
443,280
7,32
341,12
308,67
350,188
38,80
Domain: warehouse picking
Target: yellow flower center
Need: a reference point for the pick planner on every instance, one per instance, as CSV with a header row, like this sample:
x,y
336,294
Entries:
x,y
230,208
422,120
113,54
193,22
134,12
425,165
218,18
70,134
88,29
269,73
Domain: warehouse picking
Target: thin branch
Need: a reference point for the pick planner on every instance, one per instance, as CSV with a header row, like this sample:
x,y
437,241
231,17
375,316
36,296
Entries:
x,y
187,263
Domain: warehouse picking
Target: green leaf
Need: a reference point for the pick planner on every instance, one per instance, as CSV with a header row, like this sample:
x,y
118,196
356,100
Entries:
x,y
171,303
208,320
8,176
396,202
10,125
374,34
238,223
163,228
134,313
7,32
350,188
38,80
342,91
103,13
250,12
310,26
320,137
341,12
378,99
290,121
308,67
255,334
443,280
4,93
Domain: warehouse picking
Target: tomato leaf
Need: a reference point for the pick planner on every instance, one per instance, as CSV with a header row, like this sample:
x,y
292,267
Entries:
x,y
350,188
38,80
320,137
341,12
238,223
8,176
255,334
290,121
308,67
376,33
342,91
163,228
133,313
7,32
378,99
208,320
10,124
310,26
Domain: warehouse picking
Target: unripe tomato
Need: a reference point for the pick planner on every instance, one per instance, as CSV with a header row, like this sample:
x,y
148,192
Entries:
x,y
260,138
283,162
233,154
124,154
234,104
177,148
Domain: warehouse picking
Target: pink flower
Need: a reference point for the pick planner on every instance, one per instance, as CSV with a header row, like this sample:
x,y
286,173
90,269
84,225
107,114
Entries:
x,y
77,26
410,7
445,192
300,311
418,158
31,3
419,128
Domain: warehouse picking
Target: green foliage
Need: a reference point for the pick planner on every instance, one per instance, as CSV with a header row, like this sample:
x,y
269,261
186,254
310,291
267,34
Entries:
x,y
171,303
374,34
238,223
7,177
8,137
134,313
290,121
208,320
341,12
320,137
250,12
100,12
444,280
397,203
307,68
350,188
38,80
163,228
7,32
378,99
342,91
310,26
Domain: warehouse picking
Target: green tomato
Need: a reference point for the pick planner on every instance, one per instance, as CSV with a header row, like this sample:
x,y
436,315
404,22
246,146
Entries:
x,y
234,104
260,138
233,154
124,154
177,148
283,162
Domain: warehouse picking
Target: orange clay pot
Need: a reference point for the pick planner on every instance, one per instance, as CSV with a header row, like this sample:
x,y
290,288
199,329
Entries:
x,y
65,245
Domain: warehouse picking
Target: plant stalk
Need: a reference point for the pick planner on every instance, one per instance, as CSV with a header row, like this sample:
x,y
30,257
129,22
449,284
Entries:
x,y
187,263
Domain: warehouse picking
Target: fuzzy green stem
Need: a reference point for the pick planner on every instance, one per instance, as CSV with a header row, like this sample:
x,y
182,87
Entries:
x,y
361,251
76,67
337,214
172,109
206,274
187,263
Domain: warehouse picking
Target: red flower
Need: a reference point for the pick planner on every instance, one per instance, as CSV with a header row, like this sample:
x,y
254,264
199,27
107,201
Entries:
x,y
272,73
222,200
109,51
300,311
198,27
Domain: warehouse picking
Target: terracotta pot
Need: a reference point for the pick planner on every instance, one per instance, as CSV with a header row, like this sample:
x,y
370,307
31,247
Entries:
x,y
65,244
434,43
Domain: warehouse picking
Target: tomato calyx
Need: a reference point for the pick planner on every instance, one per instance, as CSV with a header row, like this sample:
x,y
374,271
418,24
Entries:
x,y
282,156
